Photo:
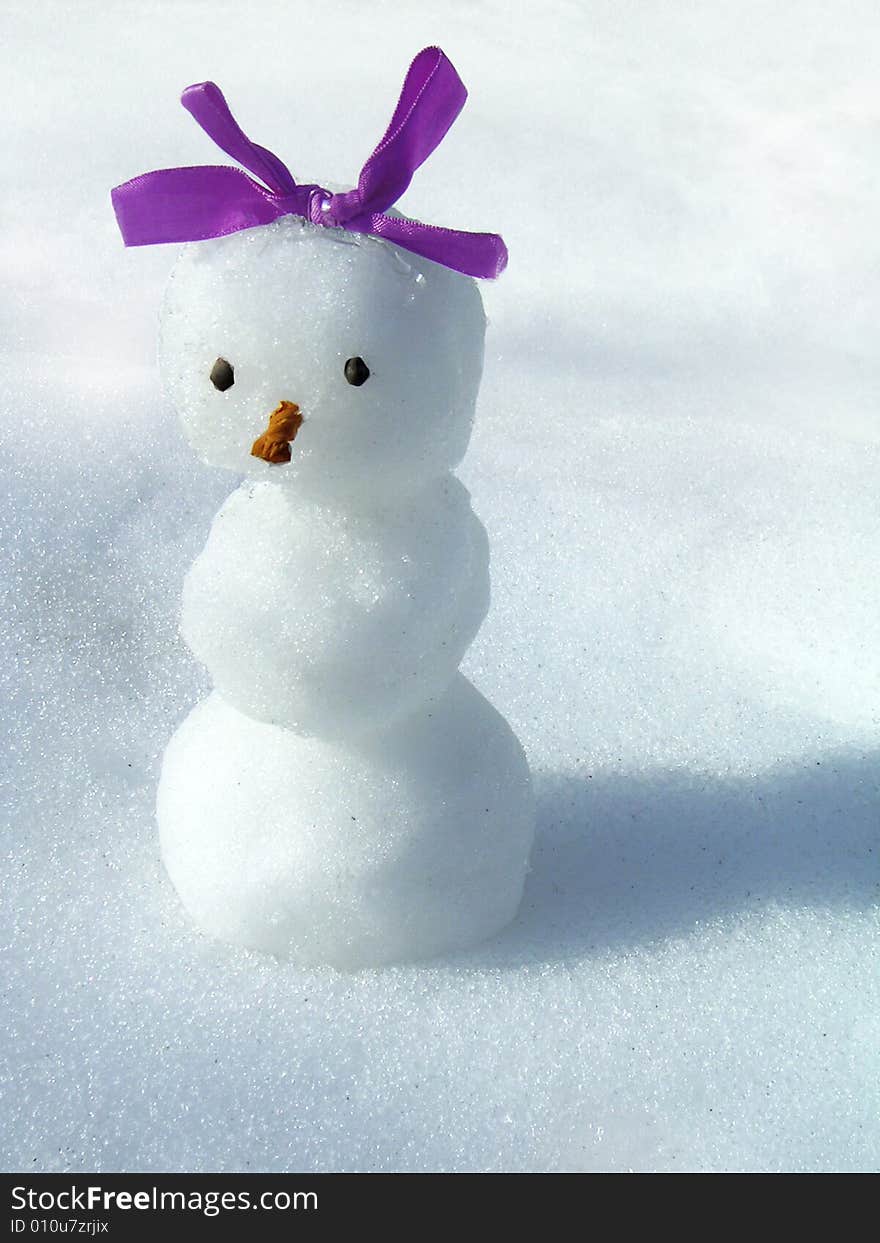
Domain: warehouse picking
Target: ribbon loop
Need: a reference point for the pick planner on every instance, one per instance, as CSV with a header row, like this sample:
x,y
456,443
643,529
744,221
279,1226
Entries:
x,y
431,98
192,204
206,103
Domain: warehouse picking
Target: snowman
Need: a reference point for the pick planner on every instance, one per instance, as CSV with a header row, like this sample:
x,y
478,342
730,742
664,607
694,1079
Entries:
x,y
344,796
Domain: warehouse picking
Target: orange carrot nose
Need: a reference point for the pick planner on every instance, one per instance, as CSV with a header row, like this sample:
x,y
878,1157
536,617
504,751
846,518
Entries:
x,y
274,444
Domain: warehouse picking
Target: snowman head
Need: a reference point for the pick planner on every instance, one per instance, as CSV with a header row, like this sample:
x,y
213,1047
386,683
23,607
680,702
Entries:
x,y
380,350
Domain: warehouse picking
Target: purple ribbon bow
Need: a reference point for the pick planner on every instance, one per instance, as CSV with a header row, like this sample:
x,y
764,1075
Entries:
x,y
191,204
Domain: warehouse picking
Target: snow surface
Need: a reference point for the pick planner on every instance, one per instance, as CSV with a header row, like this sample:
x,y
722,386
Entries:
x,y
676,458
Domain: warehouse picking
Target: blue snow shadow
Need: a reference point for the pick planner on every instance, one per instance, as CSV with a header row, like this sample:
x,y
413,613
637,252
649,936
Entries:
x,y
623,861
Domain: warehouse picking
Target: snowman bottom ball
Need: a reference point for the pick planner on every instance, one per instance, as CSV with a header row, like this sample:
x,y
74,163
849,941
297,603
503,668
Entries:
x,y
392,850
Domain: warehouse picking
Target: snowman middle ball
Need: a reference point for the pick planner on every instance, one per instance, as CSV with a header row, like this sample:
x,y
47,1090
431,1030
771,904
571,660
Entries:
x,y
333,622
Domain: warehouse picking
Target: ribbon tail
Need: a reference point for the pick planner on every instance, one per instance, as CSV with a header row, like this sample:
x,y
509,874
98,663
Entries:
x,y
190,205
483,255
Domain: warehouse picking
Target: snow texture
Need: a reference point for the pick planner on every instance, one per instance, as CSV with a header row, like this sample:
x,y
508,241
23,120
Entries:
x,y
676,458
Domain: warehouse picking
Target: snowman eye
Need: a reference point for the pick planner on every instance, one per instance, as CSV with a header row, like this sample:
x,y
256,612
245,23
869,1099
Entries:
x,y
222,375
356,371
